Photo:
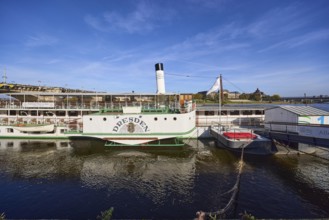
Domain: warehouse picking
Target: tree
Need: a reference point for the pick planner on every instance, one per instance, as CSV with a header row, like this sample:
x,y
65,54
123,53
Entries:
x,y
198,96
255,97
276,97
244,96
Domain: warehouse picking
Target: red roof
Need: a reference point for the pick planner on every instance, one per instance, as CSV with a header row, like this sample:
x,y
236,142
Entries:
x,y
239,135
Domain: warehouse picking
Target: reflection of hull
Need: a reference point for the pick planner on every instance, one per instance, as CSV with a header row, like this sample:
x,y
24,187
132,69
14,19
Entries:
x,y
238,139
24,145
45,159
147,171
140,171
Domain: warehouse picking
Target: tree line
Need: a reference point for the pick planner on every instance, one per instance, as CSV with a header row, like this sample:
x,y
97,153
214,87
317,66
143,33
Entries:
x,y
243,96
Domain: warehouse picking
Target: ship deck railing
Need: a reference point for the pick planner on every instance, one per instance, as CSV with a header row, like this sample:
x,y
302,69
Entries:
x,y
151,108
85,106
234,126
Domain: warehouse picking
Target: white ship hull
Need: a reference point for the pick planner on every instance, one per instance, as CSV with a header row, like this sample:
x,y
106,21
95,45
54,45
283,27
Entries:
x,y
136,129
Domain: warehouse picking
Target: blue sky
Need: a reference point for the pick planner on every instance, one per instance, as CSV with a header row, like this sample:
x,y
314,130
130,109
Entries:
x,y
278,46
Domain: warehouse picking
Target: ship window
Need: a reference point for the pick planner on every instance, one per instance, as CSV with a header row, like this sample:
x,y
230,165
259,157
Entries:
x,y
247,112
223,112
90,119
10,144
209,113
175,118
235,112
73,113
104,119
60,113
165,119
10,130
155,119
35,113
259,112
62,131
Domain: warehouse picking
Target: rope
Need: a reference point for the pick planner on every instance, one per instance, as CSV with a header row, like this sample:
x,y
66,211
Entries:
x,y
205,77
234,190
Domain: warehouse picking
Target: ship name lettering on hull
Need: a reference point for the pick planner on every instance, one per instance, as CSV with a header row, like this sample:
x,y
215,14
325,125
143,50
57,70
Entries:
x,y
136,121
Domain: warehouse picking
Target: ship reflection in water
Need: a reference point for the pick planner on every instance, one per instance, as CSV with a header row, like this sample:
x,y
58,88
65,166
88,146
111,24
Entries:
x,y
79,179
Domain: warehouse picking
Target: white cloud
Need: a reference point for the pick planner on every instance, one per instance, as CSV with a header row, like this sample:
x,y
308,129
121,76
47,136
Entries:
x,y
97,23
220,40
143,19
209,4
40,39
279,22
307,38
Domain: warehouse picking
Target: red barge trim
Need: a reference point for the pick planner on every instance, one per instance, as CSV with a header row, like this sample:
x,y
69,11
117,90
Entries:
x,y
239,135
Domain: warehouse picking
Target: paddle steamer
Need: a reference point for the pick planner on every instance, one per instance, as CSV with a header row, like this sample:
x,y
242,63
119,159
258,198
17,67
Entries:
x,y
119,118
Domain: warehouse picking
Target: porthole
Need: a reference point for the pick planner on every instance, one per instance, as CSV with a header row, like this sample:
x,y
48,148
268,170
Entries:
x,y
155,119
90,119
175,118
165,119
104,119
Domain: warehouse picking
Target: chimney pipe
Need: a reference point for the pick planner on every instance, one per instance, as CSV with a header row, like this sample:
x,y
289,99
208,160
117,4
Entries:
x,y
160,78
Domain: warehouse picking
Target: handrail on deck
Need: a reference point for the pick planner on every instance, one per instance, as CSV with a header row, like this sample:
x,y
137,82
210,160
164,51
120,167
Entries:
x,y
296,124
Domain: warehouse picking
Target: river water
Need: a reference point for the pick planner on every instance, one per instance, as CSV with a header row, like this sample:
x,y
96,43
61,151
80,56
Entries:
x,y
80,179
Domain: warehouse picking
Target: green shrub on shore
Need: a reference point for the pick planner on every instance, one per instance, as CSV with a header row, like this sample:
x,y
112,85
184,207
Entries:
x,y
106,215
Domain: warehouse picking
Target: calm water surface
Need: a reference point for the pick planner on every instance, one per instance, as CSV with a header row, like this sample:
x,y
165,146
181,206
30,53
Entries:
x,y
79,179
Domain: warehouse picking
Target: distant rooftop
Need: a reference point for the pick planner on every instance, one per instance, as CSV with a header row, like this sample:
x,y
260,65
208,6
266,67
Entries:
x,y
16,87
304,110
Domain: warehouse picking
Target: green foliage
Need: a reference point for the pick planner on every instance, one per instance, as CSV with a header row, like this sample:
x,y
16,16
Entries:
x,y
247,216
213,217
244,96
198,96
255,97
106,215
275,97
